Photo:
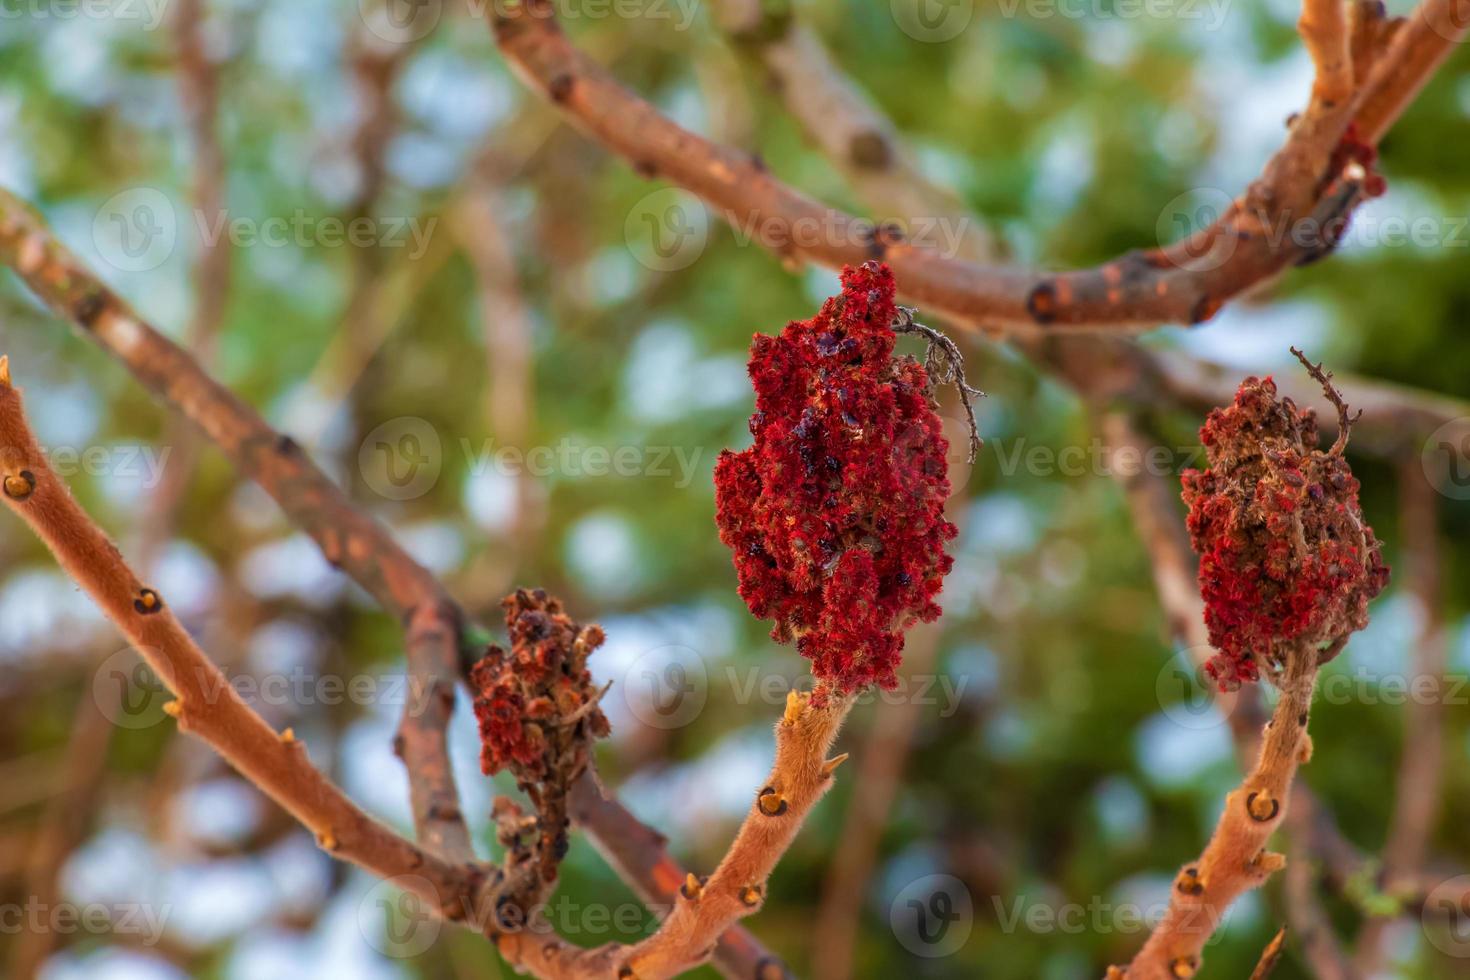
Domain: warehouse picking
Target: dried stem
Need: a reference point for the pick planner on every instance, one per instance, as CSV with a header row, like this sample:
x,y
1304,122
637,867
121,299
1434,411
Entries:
x,y
1235,860
945,365
206,704
1345,418
1187,281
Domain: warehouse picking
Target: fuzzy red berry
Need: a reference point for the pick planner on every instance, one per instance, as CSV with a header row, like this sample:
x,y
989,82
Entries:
x,y
535,703
836,514
1286,560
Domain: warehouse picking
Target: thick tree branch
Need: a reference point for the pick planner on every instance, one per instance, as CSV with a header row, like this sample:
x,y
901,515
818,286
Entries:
x,y
207,704
1185,282
348,538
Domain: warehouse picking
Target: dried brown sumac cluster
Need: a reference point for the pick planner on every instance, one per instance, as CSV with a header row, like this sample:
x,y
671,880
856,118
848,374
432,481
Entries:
x,y
539,718
835,515
1287,561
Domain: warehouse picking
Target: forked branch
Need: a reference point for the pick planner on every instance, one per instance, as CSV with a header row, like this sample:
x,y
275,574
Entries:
x,y
206,704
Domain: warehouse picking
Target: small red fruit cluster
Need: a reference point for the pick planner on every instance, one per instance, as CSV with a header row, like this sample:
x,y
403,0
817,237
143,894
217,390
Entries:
x,y
1352,148
535,703
836,514
1286,560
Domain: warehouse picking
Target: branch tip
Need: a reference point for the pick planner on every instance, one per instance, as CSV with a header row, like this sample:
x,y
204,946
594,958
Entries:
x,y
830,766
5,370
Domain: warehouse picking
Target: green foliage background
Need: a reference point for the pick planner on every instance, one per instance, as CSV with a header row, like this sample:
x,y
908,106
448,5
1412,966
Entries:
x,y
1047,783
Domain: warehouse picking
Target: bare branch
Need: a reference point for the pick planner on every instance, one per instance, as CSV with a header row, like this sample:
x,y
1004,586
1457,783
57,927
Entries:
x,y
348,538
1235,860
1185,282
206,704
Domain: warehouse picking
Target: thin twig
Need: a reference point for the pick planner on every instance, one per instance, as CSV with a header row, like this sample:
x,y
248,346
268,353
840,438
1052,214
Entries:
x,y
1345,418
1270,956
945,365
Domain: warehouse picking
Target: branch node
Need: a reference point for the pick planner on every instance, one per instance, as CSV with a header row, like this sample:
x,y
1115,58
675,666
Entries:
x,y
751,896
1184,967
5,370
19,486
148,602
1189,882
693,887
794,705
770,802
1262,807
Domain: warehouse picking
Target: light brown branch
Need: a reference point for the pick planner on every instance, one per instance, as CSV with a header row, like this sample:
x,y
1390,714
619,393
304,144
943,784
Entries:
x,y
1185,282
1416,50
206,704
707,907
1323,28
1235,860
349,539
